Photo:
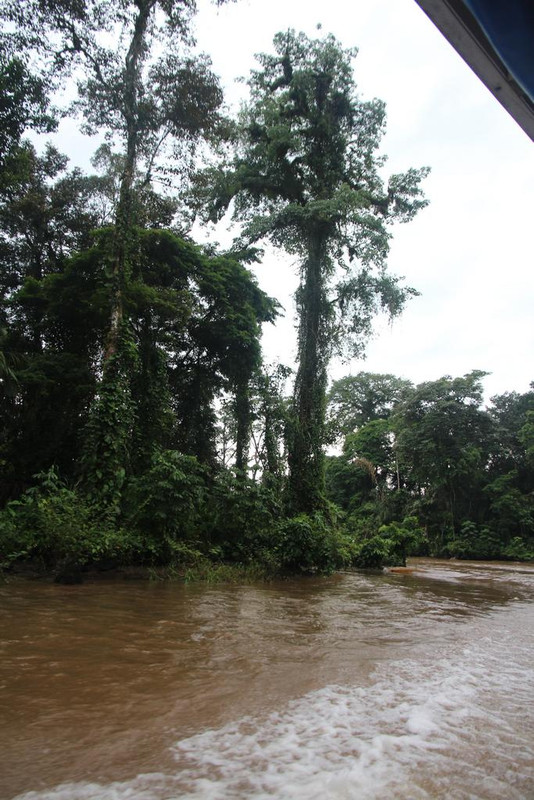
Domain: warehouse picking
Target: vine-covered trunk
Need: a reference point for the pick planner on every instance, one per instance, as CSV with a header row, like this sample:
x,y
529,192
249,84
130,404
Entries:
x,y
272,459
112,419
124,217
151,397
195,434
242,411
306,456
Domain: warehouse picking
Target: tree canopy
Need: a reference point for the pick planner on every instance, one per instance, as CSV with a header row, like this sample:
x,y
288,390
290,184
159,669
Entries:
x,y
139,423
307,176
440,456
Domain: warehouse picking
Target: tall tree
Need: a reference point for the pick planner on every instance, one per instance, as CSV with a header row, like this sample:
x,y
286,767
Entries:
x,y
307,176
444,439
511,466
221,351
355,400
141,100
272,418
51,324
24,102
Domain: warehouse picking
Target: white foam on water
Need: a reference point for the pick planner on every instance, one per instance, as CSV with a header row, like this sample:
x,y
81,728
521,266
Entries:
x,y
456,725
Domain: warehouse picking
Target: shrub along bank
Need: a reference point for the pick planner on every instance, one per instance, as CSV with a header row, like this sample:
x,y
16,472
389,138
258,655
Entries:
x,y
184,525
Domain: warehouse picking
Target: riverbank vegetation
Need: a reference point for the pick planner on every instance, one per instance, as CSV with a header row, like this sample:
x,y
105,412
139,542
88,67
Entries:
x,y
462,473
140,424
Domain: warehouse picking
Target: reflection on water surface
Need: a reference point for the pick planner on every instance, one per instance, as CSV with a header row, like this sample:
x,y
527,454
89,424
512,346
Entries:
x,y
356,686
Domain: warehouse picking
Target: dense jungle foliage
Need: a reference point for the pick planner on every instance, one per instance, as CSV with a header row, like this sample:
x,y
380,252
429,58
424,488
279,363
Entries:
x,y
459,474
139,424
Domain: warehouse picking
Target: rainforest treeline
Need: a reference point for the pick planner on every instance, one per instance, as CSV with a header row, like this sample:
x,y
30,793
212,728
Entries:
x,y
139,423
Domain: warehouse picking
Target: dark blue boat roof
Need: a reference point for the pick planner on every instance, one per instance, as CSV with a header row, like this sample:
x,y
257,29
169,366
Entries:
x,y
496,39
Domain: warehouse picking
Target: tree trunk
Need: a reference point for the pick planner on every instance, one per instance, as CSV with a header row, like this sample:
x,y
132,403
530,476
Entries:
x,y
109,431
306,456
272,458
124,217
242,409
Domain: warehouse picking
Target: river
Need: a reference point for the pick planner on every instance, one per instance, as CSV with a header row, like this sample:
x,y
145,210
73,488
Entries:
x,y
408,686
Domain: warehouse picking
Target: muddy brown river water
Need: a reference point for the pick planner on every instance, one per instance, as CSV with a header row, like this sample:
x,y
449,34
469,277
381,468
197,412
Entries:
x,y
415,685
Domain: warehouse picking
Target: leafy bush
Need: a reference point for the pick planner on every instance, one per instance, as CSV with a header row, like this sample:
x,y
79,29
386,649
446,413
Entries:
x,y
386,546
403,539
167,501
518,550
240,517
372,553
55,526
312,543
474,541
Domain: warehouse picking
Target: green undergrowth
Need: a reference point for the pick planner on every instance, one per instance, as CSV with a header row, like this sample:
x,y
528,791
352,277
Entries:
x,y
177,525
180,526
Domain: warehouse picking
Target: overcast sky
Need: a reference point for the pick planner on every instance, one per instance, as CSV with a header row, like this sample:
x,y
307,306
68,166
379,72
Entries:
x,y
470,252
